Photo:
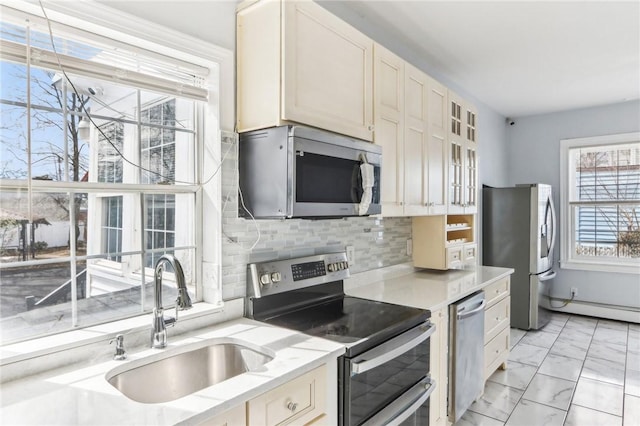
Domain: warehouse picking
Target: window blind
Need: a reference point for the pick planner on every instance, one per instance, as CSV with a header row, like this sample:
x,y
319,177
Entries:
x,y
96,56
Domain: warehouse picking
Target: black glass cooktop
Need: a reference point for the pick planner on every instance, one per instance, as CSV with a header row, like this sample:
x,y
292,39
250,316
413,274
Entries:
x,y
358,323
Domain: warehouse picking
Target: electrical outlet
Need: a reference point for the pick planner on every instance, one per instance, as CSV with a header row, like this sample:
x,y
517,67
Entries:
x,y
574,291
351,255
409,247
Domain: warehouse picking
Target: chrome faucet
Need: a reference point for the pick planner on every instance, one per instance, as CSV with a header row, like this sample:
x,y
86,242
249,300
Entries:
x,y
183,302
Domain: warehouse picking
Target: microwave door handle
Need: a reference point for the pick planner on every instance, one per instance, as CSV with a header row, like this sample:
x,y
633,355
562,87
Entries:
x,y
412,399
392,348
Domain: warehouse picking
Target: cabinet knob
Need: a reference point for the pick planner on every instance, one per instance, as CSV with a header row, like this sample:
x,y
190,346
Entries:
x,y
292,406
370,127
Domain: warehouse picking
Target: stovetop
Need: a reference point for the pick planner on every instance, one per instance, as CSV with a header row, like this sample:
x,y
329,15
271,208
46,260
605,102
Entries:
x,y
307,295
357,323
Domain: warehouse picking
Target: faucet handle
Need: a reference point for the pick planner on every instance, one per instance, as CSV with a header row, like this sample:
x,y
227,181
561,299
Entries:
x,y
171,321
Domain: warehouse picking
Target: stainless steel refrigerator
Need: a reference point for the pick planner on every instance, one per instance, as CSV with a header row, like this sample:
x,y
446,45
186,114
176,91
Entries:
x,y
519,231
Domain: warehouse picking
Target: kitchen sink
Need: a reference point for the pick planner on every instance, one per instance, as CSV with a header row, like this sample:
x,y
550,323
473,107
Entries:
x,y
183,371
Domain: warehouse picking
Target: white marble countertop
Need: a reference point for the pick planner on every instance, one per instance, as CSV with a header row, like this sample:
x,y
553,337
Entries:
x,y
81,395
426,289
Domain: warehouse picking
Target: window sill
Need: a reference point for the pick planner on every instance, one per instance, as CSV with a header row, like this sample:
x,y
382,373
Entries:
x,y
601,266
37,355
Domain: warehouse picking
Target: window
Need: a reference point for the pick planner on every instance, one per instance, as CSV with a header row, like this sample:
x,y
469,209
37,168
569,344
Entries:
x,y
601,203
98,157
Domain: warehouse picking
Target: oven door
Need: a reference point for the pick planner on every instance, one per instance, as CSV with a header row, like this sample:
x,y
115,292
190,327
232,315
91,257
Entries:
x,y
327,179
388,384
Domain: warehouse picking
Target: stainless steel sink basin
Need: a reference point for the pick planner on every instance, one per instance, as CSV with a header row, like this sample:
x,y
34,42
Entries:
x,y
174,374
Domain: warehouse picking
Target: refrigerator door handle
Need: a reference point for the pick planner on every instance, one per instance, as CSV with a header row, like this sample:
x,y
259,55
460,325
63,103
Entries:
x,y
553,226
547,276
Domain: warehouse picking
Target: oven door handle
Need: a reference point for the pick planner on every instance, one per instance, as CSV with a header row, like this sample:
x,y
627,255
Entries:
x,y
403,407
392,348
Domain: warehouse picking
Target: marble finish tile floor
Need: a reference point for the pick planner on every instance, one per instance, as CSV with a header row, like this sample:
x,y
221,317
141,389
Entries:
x,y
576,371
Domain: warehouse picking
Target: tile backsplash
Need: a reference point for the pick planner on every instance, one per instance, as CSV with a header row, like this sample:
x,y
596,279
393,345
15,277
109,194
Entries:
x,y
378,242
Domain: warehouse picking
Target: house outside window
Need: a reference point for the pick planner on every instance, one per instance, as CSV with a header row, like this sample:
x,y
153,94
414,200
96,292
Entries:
x,y
600,200
102,208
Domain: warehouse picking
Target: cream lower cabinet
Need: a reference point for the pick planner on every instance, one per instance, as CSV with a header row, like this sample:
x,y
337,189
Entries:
x,y
438,365
297,62
236,416
302,401
299,402
496,326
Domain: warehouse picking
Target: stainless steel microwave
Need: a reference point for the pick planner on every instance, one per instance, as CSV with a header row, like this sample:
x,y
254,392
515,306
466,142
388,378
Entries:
x,y
297,171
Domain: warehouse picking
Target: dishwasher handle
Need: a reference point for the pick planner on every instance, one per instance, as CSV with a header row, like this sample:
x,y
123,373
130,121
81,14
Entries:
x,y
466,314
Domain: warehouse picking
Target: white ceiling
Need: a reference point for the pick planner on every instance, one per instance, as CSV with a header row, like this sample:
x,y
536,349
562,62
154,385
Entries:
x,y
522,58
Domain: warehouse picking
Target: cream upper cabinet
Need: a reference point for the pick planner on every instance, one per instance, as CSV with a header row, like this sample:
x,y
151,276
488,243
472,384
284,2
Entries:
x,y
463,156
388,70
416,155
437,148
299,63
410,117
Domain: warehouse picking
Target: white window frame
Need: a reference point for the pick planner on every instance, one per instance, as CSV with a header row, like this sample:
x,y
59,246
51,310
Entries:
x,y
568,259
121,27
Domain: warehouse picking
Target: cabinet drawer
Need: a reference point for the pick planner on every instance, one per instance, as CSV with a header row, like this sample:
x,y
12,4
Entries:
x,y
496,352
496,318
469,252
297,402
496,291
454,256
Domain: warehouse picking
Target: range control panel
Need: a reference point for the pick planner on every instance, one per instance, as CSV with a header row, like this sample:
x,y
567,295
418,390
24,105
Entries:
x,y
290,274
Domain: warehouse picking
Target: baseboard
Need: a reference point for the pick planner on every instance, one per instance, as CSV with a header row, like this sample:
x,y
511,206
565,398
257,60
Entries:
x,y
618,313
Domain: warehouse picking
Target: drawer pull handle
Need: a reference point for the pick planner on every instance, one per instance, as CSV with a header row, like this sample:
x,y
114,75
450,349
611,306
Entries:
x,y
292,406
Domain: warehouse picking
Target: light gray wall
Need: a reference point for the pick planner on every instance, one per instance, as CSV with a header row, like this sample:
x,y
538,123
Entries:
x,y
533,155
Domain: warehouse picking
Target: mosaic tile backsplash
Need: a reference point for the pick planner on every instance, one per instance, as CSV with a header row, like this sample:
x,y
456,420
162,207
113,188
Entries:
x,y
378,242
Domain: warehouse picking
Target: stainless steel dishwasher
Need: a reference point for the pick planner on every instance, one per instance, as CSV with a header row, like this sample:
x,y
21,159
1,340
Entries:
x,y
466,361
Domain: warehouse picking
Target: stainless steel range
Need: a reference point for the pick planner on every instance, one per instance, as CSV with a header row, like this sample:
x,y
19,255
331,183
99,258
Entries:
x,y
384,374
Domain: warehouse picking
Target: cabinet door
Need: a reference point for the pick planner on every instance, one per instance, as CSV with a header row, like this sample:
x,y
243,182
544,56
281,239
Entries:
x,y
389,126
456,155
236,416
258,54
327,71
416,156
297,402
471,158
437,158
438,366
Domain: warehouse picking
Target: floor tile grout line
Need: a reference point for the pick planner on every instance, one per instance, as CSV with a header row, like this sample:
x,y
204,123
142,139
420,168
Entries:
x,y
591,335
534,374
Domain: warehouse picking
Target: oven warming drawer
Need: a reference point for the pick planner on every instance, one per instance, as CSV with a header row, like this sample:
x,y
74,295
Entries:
x,y
389,383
